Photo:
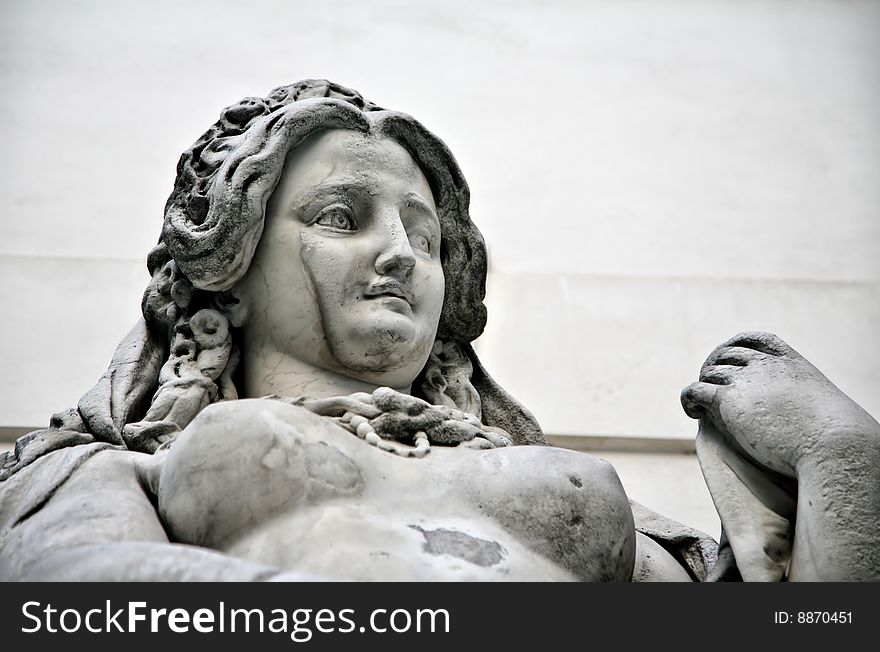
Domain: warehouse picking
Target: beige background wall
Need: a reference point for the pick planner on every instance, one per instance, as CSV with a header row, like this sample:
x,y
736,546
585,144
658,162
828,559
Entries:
x,y
651,177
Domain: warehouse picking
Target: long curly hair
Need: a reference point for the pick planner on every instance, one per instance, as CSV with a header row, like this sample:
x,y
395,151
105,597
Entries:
x,y
183,355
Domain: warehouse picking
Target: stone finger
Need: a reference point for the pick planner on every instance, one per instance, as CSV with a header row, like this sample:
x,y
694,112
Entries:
x,y
497,439
453,432
698,397
400,425
719,374
760,341
389,400
477,443
336,406
345,422
739,356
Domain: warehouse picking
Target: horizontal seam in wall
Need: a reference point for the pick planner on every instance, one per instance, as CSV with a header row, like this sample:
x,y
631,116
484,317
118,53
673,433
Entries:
x,y
857,283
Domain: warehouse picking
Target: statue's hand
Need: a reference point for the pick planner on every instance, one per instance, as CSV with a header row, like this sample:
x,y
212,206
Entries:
x,y
773,402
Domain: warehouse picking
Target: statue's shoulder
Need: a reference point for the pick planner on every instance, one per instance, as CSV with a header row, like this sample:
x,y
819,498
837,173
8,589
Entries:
x,y
34,445
41,462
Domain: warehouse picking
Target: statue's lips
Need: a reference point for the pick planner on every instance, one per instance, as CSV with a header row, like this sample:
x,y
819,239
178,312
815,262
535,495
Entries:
x,y
396,296
395,304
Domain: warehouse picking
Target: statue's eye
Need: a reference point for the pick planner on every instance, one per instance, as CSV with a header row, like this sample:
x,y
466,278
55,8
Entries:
x,y
337,217
421,243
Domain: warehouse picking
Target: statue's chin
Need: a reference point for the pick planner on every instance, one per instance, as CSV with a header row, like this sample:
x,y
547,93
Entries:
x,y
388,350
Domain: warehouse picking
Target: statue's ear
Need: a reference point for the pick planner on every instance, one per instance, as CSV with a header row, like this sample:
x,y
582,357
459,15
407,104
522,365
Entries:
x,y
230,306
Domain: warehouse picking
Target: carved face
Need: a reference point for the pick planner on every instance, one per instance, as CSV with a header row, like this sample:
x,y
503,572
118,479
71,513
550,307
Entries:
x,y
347,275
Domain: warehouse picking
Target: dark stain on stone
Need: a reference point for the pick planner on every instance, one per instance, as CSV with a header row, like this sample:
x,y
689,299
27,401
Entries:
x,y
481,552
576,481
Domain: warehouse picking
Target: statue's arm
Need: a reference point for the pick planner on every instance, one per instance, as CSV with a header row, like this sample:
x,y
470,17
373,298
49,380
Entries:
x,y
806,457
98,524
837,527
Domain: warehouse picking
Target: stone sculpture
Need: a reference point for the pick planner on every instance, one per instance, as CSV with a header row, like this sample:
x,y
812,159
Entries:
x,y
301,400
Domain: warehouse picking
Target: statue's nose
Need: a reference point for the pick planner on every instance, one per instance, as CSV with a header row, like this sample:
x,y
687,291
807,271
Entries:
x,y
396,256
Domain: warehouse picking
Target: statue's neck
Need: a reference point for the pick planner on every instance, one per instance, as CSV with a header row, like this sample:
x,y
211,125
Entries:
x,y
273,372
